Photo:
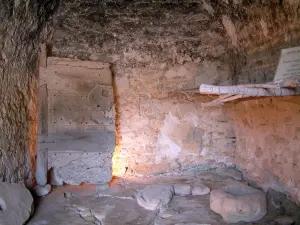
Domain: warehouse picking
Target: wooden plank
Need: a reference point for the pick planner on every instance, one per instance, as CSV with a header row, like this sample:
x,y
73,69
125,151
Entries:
x,y
221,100
85,141
73,111
232,98
43,110
224,97
76,63
91,101
220,90
42,167
76,74
70,87
43,55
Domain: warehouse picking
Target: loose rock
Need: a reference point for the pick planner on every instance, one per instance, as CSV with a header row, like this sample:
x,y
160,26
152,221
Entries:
x,y
239,202
42,190
182,189
68,195
3,205
154,197
200,189
166,213
18,204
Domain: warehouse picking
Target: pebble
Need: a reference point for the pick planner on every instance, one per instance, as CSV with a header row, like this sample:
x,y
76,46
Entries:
x,y
42,190
68,195
3,205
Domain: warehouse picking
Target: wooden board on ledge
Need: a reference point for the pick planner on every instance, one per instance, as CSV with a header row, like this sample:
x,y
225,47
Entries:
x,y
231,93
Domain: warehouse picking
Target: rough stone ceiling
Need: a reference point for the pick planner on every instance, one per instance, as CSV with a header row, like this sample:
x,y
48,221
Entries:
x,y
155,27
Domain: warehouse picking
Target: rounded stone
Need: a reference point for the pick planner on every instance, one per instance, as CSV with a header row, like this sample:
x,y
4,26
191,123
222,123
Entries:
x,y
154,197
16,204
42,190
200,189
3,205
68,195
239,202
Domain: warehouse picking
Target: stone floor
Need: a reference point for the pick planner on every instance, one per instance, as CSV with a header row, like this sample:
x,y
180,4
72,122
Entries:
x,y
116,205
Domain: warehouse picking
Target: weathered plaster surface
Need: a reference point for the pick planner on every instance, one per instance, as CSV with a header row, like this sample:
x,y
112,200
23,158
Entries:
x,y
156,48
161,47
268,140
158,133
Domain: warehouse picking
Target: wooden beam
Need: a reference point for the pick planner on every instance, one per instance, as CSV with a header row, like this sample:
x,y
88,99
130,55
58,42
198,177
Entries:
x,y
42,167
236,90
43,55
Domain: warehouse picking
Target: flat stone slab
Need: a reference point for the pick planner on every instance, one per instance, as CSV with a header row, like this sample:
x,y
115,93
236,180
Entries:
x,y
76,167
189,209
113,206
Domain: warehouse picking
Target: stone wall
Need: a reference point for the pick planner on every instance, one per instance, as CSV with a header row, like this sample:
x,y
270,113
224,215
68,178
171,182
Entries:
x,y
161,47
155,48
22,22
268,140
161,133
267,129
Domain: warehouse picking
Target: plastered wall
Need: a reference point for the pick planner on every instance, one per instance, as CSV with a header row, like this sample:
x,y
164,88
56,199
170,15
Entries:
x,y
162,47
268,143
159,132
